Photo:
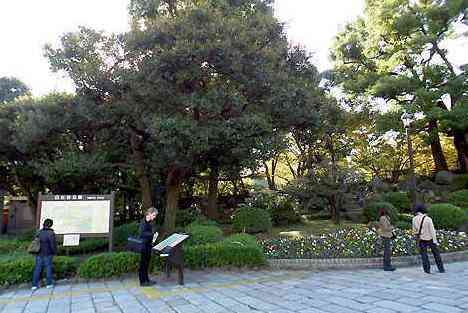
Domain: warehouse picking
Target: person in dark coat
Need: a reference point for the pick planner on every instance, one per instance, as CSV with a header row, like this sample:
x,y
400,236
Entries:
x,y
147,235
44,259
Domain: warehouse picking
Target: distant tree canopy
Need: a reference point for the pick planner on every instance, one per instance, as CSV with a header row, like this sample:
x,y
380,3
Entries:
x,y
396,52
11,88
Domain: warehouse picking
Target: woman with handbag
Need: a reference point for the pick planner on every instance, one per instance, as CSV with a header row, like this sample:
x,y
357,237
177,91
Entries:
x,y
386,232
45,254
146,234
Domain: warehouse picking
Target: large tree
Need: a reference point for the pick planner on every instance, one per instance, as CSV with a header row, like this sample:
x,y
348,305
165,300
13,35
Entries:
x,y
396,52
11,88
195,86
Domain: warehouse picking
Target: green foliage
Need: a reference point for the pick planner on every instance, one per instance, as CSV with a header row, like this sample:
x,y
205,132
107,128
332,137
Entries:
x,y
459,198
12,245
400,200
186,217
282,208
460,181
86,246
251,220
19,269
405,225
11,88
371,212
242,240
109,265
122,232
223,254
446,216
203,234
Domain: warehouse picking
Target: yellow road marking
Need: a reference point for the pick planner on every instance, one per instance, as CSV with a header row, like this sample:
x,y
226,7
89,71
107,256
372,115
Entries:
x,y
153,292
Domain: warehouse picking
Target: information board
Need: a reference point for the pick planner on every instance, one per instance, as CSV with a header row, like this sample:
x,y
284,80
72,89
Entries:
x,y
77,214
171,241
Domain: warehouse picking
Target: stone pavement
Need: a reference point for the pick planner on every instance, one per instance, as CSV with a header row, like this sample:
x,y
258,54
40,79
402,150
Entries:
x,y
370,291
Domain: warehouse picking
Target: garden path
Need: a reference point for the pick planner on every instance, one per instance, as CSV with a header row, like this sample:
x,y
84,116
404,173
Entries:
x,y
370,291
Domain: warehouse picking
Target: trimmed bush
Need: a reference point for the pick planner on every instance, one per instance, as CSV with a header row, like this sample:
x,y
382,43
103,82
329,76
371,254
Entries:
x,y
400,200
283,212
459,198
446,216
251,220
109,265
241,240
86,246
122,232
12,245
19,269
222,254
371,212
460,181
203,234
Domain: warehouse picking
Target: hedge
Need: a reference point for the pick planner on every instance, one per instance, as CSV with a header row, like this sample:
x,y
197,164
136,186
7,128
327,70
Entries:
x,y
19,269
371,212
86,246
459,198
12,245
446,216
122,232
203,234
242,240
251,220
109,264
400,200
223,254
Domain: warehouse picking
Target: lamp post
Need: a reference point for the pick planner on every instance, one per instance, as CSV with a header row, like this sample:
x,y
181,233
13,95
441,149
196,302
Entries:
x,y
407,119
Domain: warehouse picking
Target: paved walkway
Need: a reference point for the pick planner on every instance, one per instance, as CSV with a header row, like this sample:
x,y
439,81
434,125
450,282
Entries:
x,y
371,291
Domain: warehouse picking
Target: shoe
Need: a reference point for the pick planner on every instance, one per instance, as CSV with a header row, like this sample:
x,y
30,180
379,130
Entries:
x,y
442,271
49,286
427,272
390,269
34,288
147,283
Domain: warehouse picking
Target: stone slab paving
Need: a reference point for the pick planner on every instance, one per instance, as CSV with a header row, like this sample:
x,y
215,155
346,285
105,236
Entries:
x,y
364,291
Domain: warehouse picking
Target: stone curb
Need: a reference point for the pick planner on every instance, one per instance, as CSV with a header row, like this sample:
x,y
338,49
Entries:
x,y
360,263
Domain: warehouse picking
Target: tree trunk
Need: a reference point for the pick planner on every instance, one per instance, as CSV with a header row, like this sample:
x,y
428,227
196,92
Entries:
x,y
212,209
460,139
270,176
440,163
174,186
140,170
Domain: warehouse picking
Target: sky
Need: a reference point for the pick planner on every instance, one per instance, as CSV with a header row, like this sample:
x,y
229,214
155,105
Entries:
x,y
26,26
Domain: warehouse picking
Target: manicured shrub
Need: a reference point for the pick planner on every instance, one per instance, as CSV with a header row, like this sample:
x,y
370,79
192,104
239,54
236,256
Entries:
x,y
202,234
18,269
400,200
223,254
12,245
460,182
446,216
459,198
403,225
283,212
122,232
371,212
86,246
109,265
241,240
251,220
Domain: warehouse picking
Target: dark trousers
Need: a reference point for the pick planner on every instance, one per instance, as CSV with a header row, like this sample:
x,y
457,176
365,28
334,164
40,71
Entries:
x,y
387,259
145,259
423,245
43,262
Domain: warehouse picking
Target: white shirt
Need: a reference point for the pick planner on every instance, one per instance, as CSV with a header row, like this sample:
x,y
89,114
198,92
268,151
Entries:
x,y
428,231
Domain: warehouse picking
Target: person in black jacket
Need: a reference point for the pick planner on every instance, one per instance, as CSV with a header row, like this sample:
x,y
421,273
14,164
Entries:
x,y
146,234
48,248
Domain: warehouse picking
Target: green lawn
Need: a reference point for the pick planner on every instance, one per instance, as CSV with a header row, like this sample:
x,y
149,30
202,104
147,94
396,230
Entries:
x,y
312,227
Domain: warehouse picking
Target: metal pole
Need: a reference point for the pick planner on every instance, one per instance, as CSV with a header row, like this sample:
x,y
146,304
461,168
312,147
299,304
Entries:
x,y
412,171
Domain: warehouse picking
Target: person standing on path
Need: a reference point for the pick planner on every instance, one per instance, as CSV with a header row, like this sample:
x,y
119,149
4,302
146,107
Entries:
x,y
48,248
423,228
146,235
386,232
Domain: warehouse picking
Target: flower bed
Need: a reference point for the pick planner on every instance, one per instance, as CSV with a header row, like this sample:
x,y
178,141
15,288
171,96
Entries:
x,y
354,243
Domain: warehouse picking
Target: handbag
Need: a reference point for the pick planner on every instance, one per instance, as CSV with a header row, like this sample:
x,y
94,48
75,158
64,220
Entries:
x,y
135,244
35,245
418,235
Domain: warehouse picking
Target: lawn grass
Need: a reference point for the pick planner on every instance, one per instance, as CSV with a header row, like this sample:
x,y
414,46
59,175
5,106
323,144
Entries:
x,y
309,227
